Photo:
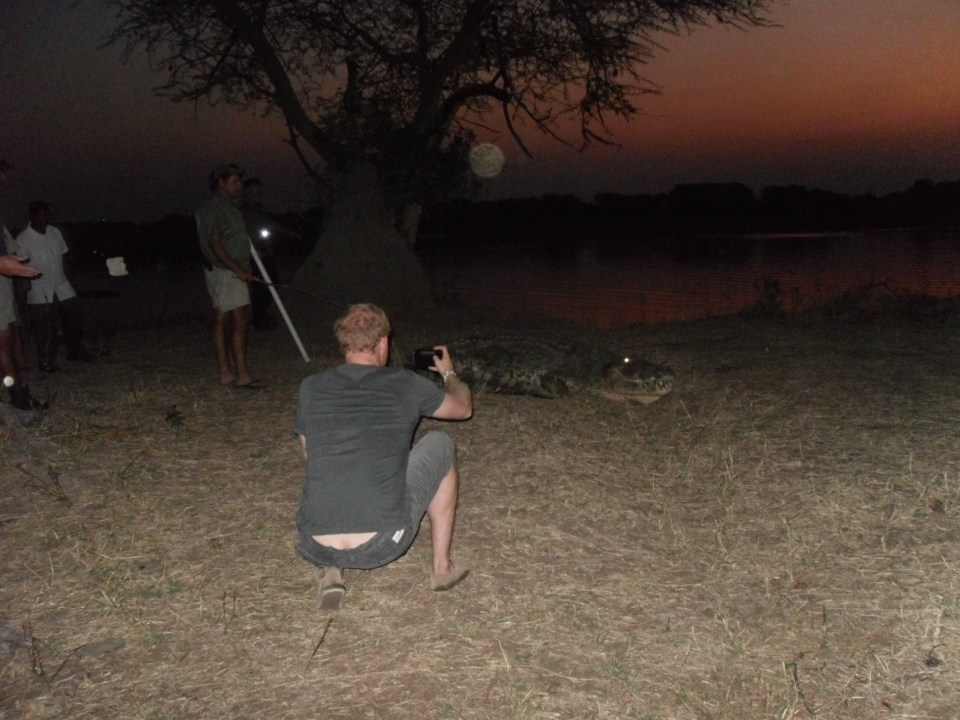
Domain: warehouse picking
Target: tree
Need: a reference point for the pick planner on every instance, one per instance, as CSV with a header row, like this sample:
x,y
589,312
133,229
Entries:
x,y
382,97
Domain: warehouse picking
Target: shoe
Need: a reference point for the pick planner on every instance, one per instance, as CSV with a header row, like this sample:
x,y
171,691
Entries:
x,y
439,583
331,590
252,385
82,356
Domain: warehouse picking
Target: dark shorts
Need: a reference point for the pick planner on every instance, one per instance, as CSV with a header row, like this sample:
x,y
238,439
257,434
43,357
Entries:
x,y
430,460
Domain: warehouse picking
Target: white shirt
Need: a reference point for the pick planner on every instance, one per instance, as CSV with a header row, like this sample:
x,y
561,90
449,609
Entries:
x,y
45,251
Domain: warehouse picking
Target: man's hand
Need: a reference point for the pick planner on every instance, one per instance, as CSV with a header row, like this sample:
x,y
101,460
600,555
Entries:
x,y
442,362
458,403
13,266
216,246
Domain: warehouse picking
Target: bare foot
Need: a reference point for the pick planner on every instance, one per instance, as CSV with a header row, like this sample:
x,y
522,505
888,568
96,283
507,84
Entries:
x,y
449,579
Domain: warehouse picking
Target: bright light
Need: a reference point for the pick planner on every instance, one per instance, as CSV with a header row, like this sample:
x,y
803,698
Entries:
x,y
264,233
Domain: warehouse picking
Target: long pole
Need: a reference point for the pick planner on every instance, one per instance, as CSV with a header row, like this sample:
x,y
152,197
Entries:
x,y
278,301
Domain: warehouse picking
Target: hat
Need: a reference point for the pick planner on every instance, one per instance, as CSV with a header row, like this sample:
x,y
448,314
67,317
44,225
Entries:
x,y
4,166
225,171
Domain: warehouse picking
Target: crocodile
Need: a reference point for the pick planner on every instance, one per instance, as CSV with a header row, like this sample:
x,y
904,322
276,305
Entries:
x,y
551,368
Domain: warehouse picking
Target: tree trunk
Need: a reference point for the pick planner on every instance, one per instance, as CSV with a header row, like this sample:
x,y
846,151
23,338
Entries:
x,y
360,256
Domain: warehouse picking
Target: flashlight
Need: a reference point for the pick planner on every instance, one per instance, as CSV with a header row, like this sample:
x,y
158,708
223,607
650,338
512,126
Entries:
x,y
264,233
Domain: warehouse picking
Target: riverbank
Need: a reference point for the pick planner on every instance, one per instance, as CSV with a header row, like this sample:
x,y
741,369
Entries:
x,y
773,539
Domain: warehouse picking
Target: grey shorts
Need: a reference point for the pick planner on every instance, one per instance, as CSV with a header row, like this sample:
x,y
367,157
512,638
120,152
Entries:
x,y
430,460
227,290
8,303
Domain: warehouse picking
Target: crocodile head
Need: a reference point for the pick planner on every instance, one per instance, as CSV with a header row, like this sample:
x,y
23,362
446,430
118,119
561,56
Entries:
x,y
635,379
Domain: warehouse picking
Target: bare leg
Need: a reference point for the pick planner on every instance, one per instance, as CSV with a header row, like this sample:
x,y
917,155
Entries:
x,y
238,343
221,326
442,512
8,364
9,367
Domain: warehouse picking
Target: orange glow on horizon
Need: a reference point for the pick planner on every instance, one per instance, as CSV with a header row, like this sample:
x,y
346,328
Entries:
x,y
859,96
865,96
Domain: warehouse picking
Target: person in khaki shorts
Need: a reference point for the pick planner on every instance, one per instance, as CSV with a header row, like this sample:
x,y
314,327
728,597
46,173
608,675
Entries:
x,y
226,260
11,354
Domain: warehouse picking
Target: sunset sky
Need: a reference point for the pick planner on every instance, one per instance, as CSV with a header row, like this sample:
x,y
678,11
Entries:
x,y
853,96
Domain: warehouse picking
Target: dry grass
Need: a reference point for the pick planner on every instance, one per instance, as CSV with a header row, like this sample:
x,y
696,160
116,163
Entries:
x,y
777,539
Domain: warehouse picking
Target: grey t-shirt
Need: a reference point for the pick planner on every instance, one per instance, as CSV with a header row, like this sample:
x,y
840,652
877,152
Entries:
x,y
221,216
358,421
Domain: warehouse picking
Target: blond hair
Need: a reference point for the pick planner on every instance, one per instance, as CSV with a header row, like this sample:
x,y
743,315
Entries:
x,y
360,328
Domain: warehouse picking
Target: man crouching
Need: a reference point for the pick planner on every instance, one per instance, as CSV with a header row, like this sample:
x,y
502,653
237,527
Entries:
x,y
366,489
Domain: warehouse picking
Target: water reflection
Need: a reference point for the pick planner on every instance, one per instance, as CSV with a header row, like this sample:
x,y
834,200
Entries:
x,y
699,277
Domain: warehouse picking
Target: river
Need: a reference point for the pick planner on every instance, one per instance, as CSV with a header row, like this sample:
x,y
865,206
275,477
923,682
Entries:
x,y
676,279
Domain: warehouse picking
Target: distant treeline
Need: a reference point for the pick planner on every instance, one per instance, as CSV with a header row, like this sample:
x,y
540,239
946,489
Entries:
x,y
709,208
561,220
170,241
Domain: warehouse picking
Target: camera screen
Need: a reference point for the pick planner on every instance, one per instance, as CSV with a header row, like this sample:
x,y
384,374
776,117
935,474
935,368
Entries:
x,y
423,358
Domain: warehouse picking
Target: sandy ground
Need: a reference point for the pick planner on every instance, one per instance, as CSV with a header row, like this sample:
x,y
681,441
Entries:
x,y
776,539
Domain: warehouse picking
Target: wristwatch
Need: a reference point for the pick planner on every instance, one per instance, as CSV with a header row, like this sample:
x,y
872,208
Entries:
x,y
446,374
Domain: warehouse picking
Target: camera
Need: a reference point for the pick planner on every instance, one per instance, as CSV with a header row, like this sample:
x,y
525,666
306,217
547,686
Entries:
x,y
423,357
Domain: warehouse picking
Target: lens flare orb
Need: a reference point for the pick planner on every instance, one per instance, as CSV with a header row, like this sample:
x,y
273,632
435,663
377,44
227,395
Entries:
x,y
486,160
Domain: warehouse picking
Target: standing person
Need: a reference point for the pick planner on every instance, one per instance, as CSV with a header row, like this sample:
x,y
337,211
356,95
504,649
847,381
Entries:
x,y
11,352
262,230
51,294
18,287
366,489
226,261
11,349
